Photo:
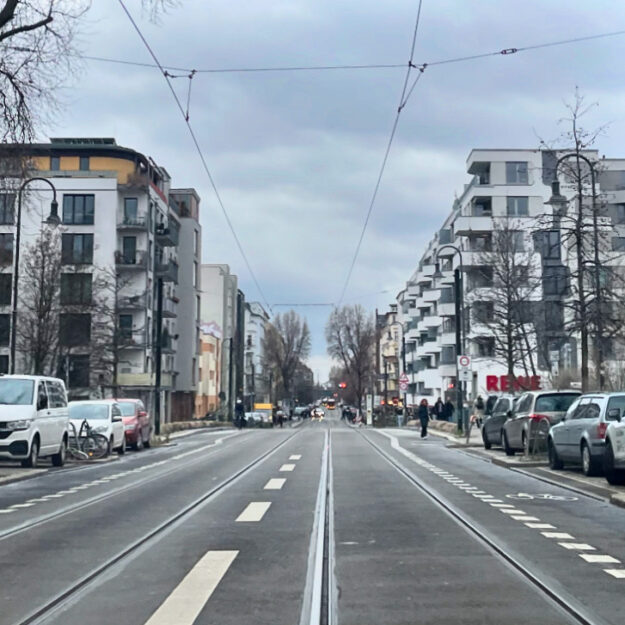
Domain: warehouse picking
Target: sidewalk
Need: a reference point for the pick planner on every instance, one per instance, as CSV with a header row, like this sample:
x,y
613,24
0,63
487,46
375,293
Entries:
x,y
447,430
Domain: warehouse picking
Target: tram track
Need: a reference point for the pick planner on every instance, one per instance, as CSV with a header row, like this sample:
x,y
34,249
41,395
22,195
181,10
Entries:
x,y
547,588
52,606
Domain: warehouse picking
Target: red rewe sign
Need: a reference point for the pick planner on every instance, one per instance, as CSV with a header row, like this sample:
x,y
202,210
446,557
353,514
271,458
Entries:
x,y
506,383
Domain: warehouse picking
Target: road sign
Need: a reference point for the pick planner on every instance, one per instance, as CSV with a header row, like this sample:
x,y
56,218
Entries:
x,y
465,373
403,382
464,362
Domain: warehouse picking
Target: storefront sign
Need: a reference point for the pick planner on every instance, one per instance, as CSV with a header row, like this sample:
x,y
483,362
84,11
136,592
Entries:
x,y
504,383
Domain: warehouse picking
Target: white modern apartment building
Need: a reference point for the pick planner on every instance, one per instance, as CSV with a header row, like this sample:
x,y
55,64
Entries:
x,y
507,191
119,236
256,384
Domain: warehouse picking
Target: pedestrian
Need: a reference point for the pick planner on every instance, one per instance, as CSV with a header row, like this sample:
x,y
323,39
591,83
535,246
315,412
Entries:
x,y
478,410
281,418
274,417
400,418
239,414
448,414
439,408
424,416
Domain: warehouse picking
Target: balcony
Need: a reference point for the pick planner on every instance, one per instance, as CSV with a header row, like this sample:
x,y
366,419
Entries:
x,y
132,302
431,295
448,338
132,339
446,309
127,260
432,321
168,271
425,274
464,226
170,308
133,223
168,236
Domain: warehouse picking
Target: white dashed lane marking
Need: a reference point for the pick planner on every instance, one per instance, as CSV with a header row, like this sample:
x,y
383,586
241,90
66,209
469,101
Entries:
x,y
599,559
541,526
287,467
577,546
558,535
275,483
254,512
295,457
618,573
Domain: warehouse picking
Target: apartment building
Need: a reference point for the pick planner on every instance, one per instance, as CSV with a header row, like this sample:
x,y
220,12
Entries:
x,y
256,382
207,397
119,238
504,200
388,354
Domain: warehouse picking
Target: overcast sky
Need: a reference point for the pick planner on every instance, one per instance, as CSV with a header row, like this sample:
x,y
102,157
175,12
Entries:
x,y
295,155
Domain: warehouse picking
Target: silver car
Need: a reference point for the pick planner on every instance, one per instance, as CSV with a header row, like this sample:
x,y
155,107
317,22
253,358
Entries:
x,y
580,438
531,411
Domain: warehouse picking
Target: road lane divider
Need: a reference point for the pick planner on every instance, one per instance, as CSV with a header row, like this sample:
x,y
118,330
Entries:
x,y
287,467
295,457
185,603
254,512
275,483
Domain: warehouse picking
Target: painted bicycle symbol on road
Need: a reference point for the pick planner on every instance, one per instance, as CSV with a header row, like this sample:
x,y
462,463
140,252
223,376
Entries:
x,y
541,497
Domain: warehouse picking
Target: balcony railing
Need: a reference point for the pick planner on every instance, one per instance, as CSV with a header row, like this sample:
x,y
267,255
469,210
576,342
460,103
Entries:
x,y
136,260
139,222
168,271
168,236
132,302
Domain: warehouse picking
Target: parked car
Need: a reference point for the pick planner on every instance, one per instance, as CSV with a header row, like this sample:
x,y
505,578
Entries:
x,y
256,418
580,438
34,419
614,454
530,409
137,424
104,416
301,412
492,429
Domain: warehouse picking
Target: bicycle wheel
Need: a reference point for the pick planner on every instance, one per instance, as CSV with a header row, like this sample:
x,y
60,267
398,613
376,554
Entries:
x,y
95,446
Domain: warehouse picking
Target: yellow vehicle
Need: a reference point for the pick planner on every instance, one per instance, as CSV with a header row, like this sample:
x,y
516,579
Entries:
x,y
331,404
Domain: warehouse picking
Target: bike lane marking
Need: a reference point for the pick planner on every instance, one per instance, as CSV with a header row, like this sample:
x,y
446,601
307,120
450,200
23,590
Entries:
x,y
275,483
254,512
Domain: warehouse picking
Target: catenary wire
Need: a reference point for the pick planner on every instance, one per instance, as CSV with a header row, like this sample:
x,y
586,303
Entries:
x,y
402,103
200,153
295,68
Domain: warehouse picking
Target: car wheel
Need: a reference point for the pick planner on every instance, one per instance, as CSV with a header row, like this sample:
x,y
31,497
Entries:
x,y
122,448
138,446
506,446
58,459
589,464
614,476
554,459
487,443
33,458
110,447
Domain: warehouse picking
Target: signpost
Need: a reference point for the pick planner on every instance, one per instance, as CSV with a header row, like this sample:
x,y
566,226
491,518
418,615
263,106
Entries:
x,y
369,409
403,382
465,373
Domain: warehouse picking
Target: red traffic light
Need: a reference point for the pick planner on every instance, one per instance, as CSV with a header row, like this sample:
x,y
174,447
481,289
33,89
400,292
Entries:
x,y
342,385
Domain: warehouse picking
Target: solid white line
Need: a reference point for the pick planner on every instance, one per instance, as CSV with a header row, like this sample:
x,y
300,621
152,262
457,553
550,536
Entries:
x,y
6,511
254,512
618,573
595,558
541,526
577,546
275,483
287,467
22,505
188,599
295,457
558,535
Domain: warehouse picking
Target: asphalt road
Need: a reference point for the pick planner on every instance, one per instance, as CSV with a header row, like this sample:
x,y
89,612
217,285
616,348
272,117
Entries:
x,y
323,523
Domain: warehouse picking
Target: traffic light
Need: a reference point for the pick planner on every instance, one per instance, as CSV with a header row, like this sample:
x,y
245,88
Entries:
x,y
342,384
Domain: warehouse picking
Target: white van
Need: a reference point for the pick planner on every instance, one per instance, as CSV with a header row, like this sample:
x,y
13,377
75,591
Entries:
x,y
33,419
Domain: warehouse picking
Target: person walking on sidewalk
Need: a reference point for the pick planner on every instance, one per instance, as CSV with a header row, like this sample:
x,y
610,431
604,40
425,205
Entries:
x,y
478,410
439,410
448,410
424,416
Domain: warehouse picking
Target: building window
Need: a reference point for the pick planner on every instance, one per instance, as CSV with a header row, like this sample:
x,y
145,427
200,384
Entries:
x,y
485,346
75,329
130,210
55,163
551,245
516,172
76,288
555,280
4,363
6,249
483,312
77,249
481,243
618,213
5,326
5,288
481,278
517,206
482,207
125,326
78,371
84,163
618,244
78,209
517,241
7,204
554,316
129,250
196,270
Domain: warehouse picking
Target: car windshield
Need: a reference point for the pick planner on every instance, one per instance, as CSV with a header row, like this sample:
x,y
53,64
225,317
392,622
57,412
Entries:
x,y
88,411
16,392
127,408
557,402
502,405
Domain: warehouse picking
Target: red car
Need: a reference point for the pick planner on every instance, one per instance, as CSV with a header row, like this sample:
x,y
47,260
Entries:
x,y
137,426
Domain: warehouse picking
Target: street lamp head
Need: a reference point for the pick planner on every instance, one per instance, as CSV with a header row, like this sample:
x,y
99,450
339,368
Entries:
x,y
53,218
557,200
438,274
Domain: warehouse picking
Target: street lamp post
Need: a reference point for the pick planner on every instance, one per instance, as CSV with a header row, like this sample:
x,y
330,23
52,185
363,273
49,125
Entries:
x,y
559,202
460,326
52,220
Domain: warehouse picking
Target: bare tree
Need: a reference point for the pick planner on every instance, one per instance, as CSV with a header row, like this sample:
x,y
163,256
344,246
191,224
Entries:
x,y
351,337
37,328
285,345
507,309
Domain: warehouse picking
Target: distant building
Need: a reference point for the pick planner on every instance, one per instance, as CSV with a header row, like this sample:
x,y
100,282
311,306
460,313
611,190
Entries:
x,y
256,383
207,397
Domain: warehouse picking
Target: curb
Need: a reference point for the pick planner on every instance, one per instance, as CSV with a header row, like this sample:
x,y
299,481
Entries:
x,y
618,500
19,477
514,464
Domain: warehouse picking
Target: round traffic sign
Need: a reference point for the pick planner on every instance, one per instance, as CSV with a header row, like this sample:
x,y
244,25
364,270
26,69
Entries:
x,y
464,361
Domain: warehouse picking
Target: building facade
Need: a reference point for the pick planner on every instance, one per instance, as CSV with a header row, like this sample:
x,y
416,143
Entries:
x,y
501,225
207,397
389,355
256,384
117,241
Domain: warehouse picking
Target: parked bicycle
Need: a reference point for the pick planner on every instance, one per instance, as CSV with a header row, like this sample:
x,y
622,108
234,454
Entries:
x,y
86,444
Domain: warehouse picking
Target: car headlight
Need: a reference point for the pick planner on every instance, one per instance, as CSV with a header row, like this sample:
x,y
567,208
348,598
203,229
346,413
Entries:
x,y
100,428
23,424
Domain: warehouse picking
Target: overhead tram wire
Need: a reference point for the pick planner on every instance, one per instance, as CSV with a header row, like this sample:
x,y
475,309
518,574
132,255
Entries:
x,y
403,100
199,151
305,68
